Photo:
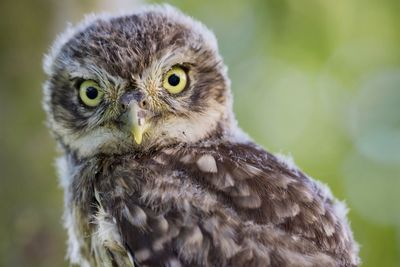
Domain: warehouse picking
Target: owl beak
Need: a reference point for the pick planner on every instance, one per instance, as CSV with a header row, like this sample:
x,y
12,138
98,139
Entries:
x,y
137,118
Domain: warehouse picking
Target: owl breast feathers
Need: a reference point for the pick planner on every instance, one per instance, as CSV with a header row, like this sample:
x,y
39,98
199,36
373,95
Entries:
x,y
156,171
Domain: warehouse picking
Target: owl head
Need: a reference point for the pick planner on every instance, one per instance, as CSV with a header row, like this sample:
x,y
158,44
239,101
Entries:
x,y
136,82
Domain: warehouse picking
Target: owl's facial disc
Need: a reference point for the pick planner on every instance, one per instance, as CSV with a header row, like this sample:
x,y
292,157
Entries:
x,y
136,82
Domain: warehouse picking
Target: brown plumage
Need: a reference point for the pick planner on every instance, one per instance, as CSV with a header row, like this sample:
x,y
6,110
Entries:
x,y
155,170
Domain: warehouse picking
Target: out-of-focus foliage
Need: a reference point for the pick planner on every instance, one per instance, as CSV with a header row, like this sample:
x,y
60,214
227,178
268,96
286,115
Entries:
x,y
318,79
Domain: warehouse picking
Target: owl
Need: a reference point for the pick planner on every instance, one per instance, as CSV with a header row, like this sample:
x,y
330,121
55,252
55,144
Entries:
x,y
155,169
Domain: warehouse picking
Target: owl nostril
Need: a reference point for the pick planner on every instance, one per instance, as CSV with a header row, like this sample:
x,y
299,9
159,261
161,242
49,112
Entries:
x,y
124,107
143,104
130,96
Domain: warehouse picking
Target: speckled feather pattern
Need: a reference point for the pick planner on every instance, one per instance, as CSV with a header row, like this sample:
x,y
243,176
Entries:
x,y
198,191
246,209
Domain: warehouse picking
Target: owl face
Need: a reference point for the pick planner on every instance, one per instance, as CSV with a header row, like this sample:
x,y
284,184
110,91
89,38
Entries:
x,y
135,82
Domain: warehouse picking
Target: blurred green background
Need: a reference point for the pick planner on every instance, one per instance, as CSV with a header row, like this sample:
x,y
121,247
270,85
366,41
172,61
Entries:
x,y
317,79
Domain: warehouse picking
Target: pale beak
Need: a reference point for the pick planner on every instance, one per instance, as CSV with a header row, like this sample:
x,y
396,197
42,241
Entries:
x,y
138,123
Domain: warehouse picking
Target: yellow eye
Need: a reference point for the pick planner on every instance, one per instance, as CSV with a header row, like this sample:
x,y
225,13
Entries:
x,y
90,93
175,80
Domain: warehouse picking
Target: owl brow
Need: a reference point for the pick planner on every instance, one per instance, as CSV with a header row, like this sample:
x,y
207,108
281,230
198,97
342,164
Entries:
x,y
103,77
185,65
104,81
188,65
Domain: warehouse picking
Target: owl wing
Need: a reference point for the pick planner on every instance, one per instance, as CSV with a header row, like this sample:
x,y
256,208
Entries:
x,y
231,205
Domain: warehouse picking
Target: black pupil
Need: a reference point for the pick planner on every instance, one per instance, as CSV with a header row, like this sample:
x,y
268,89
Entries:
x,y
91,92
174,80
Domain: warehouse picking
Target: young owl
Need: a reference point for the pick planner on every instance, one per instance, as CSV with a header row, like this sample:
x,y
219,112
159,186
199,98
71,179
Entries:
x,y
156,171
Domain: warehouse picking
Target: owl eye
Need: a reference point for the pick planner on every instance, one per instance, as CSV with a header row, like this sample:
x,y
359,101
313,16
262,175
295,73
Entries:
x,y
90,93
175,80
